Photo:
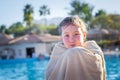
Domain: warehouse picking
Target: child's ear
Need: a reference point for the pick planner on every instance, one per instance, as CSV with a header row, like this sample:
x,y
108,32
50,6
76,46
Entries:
x,y
84,34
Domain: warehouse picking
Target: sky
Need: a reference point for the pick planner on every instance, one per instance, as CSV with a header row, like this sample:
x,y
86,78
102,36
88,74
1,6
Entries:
x,y
11,11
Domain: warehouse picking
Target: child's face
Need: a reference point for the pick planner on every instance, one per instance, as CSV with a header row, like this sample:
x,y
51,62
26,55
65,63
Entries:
x,y
72,36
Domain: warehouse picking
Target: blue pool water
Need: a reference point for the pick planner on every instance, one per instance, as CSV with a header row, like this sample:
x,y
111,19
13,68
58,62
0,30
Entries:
x,y
113,67
34,69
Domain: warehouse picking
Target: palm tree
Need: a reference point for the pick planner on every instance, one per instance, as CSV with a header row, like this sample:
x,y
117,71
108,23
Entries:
x,y
100,13
44,10
82,10
28,14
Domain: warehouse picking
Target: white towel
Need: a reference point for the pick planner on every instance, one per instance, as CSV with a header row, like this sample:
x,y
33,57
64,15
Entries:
x,y
78,63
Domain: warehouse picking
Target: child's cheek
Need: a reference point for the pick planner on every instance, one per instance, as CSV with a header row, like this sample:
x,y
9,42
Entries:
x,y
77,38
66,39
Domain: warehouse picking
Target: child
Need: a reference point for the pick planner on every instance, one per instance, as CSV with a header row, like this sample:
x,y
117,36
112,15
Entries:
x,y
75,58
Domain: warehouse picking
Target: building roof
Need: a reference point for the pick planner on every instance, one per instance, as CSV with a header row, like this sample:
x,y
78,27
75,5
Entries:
x,y
98,31
111,31
34,38
102,33
4,39
49,38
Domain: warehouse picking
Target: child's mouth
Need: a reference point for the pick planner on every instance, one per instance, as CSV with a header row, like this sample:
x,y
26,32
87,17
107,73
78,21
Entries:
x,y
73,45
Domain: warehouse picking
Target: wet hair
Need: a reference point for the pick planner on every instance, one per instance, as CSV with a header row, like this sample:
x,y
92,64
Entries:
x,y
74,20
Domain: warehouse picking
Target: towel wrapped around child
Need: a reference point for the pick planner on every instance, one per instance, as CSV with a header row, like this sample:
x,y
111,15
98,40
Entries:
x,y
78,63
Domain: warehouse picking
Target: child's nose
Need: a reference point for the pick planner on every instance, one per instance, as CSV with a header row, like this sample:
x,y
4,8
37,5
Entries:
x,y
71,39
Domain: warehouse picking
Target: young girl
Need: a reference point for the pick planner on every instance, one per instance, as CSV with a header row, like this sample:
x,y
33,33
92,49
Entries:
x,y
74,58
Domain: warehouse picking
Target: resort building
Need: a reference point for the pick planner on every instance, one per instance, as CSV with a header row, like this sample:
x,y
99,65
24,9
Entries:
x,y
103,34
29,45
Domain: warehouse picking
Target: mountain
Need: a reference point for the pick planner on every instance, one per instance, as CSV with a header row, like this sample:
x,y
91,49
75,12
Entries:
x,y
55,21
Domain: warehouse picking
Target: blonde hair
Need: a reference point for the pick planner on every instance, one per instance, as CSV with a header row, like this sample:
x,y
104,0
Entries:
x,y
74,20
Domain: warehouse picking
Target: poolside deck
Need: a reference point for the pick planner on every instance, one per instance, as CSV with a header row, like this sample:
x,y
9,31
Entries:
x,y
117,53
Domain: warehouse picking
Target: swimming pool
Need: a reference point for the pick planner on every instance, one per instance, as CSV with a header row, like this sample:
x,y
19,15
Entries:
x,y
113,67
34,69
26,69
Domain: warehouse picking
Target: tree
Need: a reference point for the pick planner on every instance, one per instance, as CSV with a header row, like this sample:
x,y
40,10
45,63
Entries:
x,y
35,28
107,21
17,29
28,14
83,10
44,10
100,13
53,29
115,21
101,21
2,29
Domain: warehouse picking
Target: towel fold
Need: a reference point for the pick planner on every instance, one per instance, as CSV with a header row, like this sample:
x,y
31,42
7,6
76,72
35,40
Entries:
x,y
78,63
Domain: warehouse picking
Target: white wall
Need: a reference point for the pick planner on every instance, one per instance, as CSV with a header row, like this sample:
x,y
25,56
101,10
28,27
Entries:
x,y
20,49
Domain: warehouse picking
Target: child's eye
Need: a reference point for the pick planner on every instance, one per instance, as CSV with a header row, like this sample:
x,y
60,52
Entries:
x,y
76,34
66,35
